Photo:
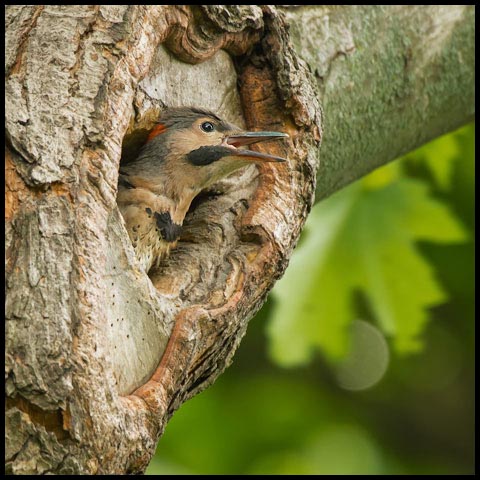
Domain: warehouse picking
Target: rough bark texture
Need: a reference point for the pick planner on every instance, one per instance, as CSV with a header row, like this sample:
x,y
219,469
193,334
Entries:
x,y
99,355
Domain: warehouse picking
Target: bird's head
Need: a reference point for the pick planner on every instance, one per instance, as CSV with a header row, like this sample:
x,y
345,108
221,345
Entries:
x,y
194,148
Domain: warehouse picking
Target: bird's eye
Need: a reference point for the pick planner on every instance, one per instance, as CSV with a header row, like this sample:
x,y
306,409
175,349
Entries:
x,y
207,127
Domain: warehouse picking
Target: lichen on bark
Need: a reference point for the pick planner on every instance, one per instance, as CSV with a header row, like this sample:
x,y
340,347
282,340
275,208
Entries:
x,y
99,356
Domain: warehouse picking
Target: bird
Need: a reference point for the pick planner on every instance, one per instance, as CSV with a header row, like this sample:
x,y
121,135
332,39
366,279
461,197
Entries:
x,y
187,151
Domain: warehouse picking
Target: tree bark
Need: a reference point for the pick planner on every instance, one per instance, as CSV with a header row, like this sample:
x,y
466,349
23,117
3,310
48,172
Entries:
x,y
98,355
390,78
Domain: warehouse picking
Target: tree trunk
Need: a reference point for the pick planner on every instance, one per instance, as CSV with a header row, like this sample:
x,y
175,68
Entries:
x,y
98,355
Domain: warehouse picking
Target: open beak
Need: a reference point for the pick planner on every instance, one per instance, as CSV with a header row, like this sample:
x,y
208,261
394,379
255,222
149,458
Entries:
x,y
247,138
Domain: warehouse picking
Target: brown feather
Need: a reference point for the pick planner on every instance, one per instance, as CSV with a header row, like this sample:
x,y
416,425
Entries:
x,y
161,183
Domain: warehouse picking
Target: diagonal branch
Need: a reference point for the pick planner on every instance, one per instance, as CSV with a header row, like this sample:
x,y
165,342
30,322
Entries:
x,y
99,356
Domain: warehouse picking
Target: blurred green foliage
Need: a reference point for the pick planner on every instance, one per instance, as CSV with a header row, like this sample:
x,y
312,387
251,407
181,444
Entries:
x,y
362,239
394,249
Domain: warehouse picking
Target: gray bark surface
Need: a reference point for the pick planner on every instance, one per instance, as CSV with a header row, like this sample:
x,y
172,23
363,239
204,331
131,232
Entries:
x,y
390,78
98,355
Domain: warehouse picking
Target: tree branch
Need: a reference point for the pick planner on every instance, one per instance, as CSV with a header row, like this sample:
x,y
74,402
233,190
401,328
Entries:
x,y
390,78
99,356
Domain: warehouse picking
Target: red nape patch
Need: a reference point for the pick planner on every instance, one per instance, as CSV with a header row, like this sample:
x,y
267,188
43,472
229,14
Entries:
x,y
160,128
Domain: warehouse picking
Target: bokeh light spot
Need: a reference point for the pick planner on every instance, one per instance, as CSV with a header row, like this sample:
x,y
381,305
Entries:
x,y
367,359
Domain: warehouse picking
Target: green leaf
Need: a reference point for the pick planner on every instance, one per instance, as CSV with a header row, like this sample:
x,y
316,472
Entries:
x,y
335,450
361,239
439,156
